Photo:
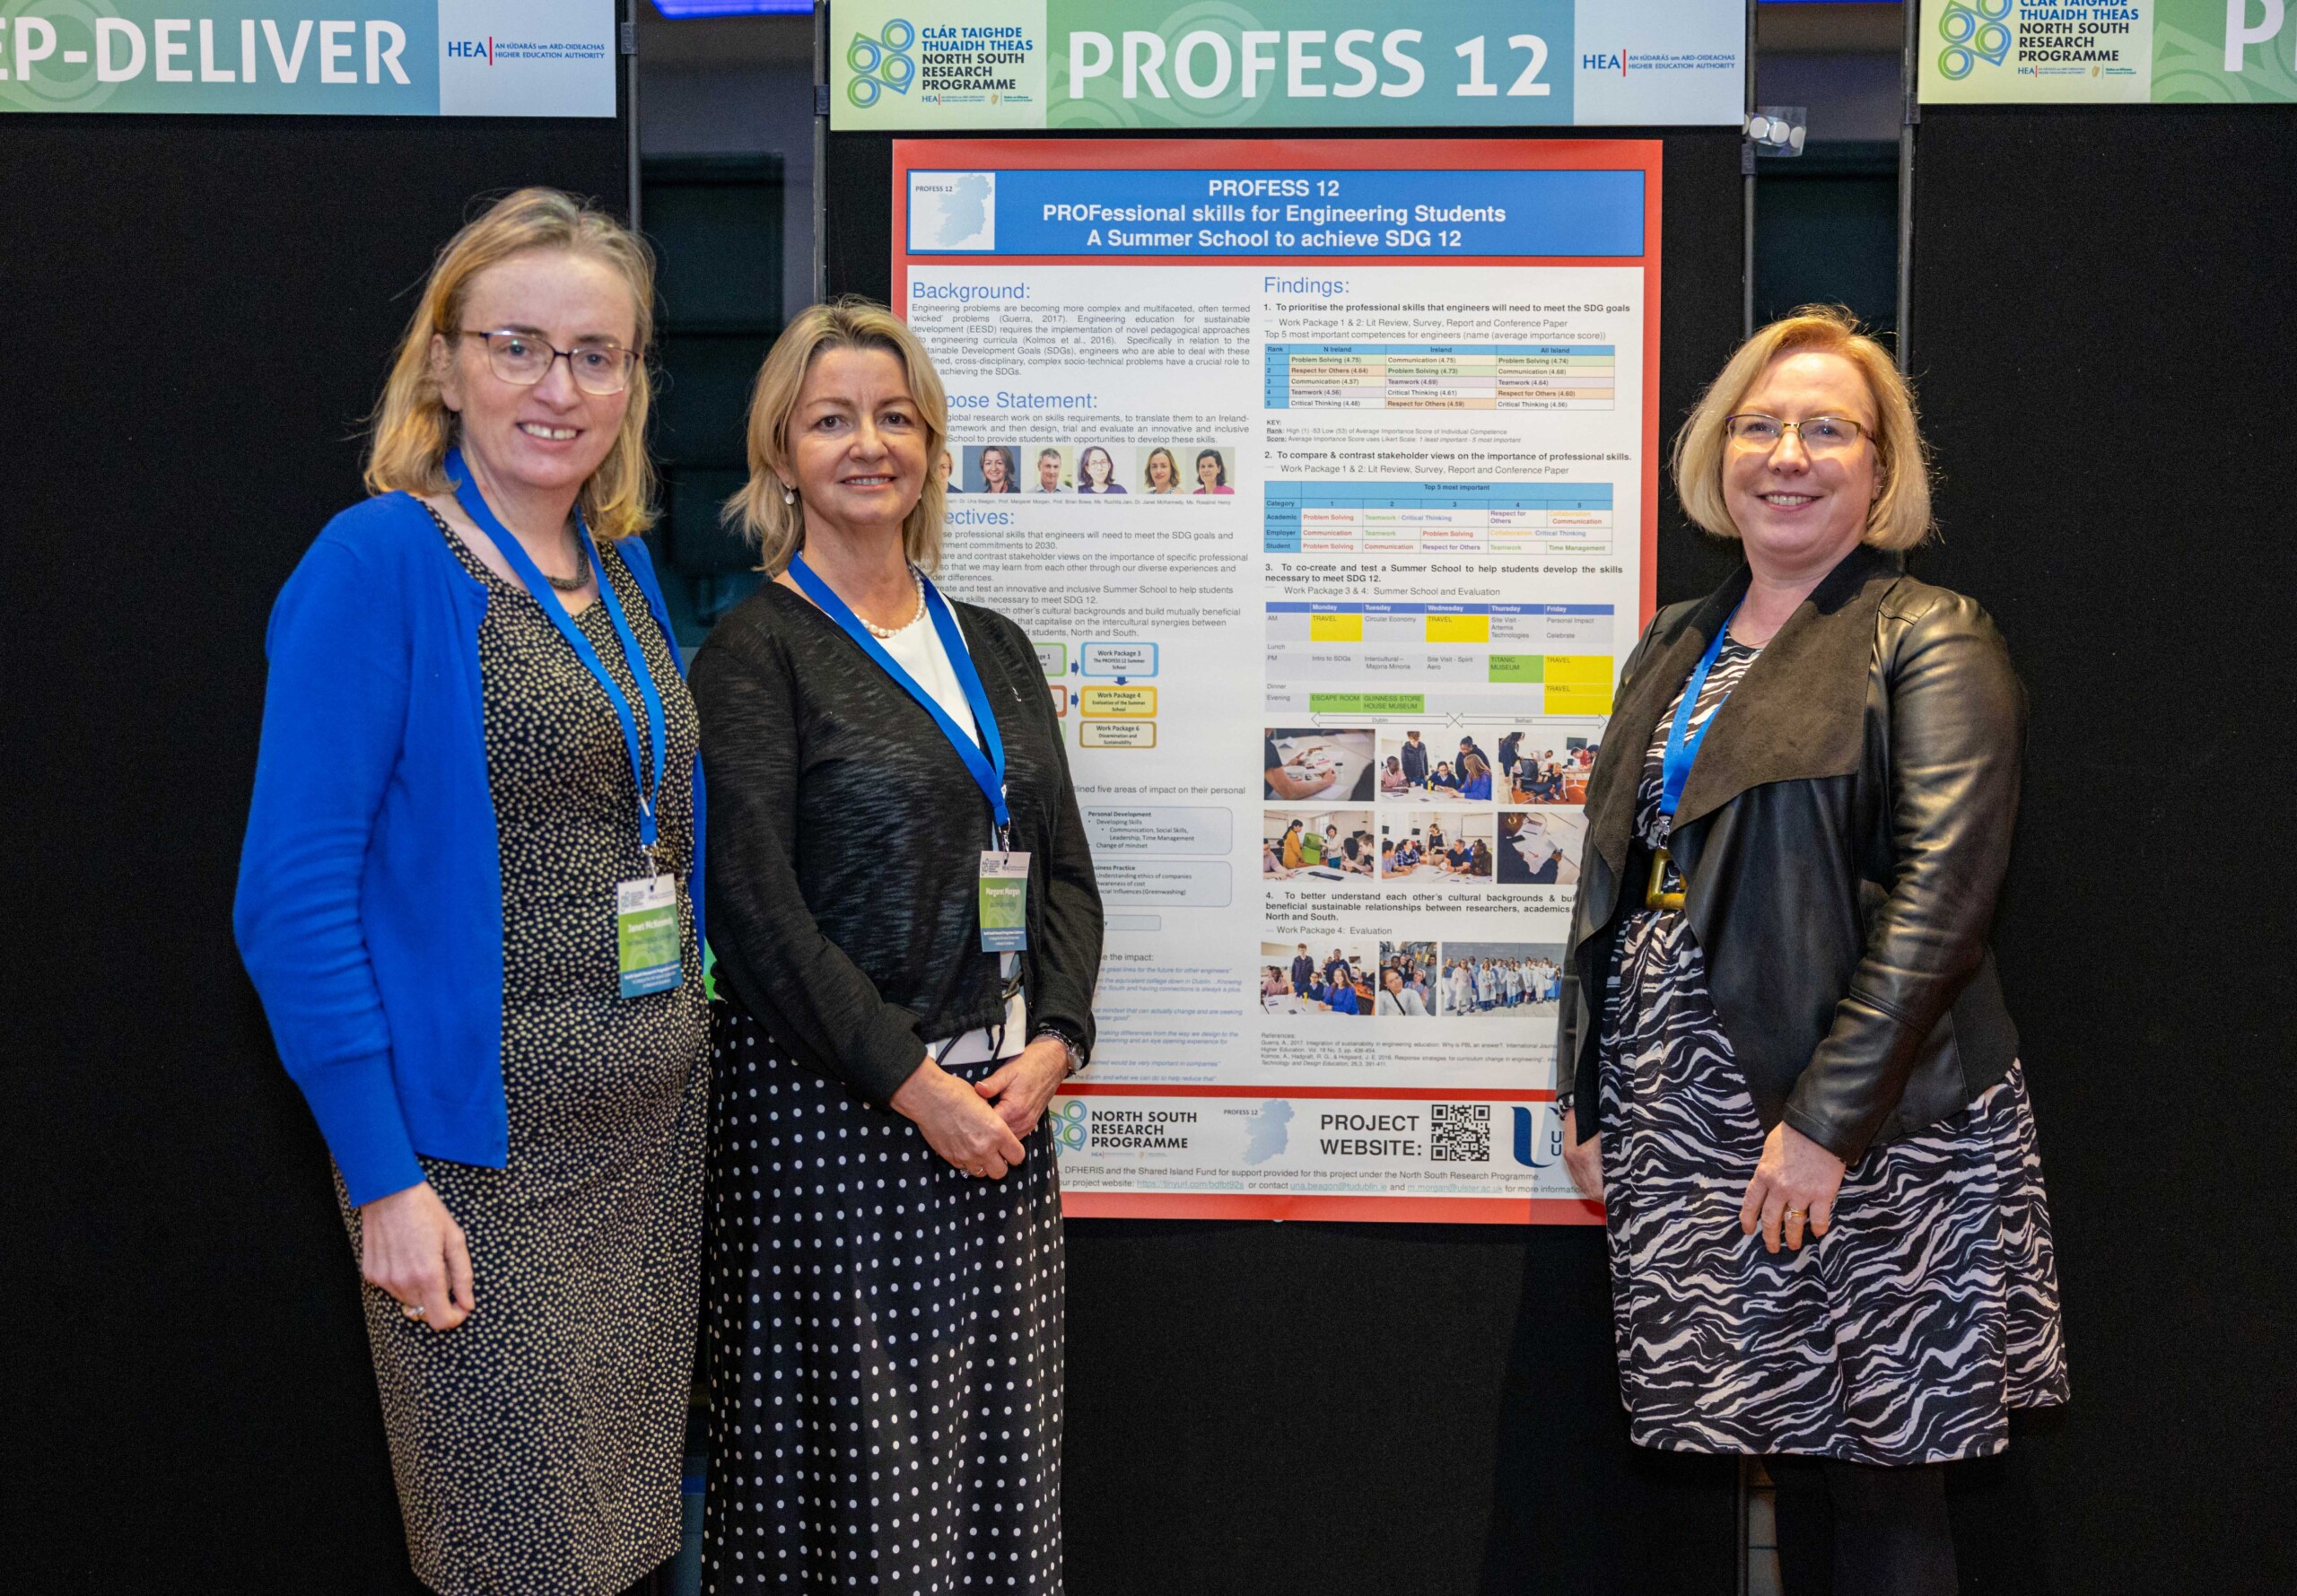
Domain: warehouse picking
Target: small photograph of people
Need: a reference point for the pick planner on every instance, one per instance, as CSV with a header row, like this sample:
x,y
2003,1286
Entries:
x,y
1096,471
1323,976
1537,768
1436,766
1406,987
1315,844
1211,472
1433,847
1542,847
1515,980
1312,763
992,468
950,481
1160,471
1047,471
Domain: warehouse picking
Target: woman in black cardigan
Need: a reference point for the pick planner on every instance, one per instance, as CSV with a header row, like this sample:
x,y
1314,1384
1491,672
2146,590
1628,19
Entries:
x,y
884,1252
1780,1015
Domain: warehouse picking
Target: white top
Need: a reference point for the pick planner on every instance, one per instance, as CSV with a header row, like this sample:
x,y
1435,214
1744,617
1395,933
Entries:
x,y
917,649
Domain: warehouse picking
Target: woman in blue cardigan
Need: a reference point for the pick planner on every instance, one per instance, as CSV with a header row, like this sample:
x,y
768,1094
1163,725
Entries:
x,y
471,900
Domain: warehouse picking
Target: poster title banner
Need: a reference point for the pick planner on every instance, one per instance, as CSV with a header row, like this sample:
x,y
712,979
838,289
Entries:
x,y
2093,52
1250,212
1154,65
346,58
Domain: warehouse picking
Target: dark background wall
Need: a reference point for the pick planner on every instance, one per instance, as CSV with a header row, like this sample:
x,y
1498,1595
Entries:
x,y
200,310
2101,327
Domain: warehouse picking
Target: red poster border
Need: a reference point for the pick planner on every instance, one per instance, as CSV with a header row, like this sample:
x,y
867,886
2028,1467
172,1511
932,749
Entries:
x,y
1339,154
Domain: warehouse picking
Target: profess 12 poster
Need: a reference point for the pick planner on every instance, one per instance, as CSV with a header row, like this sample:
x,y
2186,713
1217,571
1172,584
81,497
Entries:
x,y
1322,473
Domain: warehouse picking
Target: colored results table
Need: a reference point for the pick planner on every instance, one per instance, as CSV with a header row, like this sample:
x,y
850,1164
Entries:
x,y
1441,377
1363,518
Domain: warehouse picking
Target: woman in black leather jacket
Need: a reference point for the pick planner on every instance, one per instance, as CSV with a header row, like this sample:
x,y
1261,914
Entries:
x,y
1780,1015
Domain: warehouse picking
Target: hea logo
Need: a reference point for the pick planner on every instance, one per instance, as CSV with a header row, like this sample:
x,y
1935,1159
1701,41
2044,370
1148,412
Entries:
x,y
881,62
1072,1126
1614,61
1974,33
472,49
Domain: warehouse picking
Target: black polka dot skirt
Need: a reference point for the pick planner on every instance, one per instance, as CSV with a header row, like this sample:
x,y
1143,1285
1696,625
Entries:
x,y
885,1346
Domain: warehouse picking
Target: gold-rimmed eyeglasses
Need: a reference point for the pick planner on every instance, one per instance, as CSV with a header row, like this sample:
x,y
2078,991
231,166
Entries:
x,y
599,367
1821,434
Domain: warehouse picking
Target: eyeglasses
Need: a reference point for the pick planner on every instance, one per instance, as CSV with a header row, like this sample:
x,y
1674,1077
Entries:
x,y
1821,434
599,369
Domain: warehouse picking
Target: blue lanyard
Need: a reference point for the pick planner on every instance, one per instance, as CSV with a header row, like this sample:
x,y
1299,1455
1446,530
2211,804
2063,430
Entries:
x,y
1684,751
475,505
985,760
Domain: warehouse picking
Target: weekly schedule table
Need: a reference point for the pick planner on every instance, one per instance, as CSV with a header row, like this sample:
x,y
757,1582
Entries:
x,y
1441,375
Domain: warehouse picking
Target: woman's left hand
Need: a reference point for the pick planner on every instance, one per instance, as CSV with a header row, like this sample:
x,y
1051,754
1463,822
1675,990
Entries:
x,y
1795,1183
1025,1083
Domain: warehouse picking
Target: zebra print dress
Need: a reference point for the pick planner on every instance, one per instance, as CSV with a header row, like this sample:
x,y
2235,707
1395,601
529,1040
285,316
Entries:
x,y
1929,1310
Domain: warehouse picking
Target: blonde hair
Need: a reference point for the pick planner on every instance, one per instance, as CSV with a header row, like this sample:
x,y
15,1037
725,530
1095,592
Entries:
x,y
1900,516
412,428
778,525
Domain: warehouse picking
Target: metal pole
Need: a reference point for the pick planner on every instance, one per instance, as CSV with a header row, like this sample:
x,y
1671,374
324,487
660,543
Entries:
x,y
1747,183
1910,119
629,43
821,150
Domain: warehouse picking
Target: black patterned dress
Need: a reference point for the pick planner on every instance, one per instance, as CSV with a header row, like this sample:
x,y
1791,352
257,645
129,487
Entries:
x,y
1905,1334
537,1447
885,1345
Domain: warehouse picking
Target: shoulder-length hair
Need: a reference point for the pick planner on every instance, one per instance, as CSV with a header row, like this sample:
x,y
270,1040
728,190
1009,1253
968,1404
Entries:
x,y
778,525
412,429
1899,517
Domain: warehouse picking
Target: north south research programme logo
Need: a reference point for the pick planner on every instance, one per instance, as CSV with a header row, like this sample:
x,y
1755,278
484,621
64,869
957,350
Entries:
x,y
1072,1125
1974,31
881,62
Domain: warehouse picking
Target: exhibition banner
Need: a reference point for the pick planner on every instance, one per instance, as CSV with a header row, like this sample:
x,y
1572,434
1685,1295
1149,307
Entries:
x,y
279,58
930,65
1343,451
2135,52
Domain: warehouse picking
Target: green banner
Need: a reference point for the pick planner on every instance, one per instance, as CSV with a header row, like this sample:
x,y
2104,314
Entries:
x,y
315,58
1206,66
2133,52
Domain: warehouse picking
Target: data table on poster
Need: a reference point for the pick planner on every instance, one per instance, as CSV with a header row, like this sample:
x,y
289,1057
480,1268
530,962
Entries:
x,y
1526,519
1389,651
1441,377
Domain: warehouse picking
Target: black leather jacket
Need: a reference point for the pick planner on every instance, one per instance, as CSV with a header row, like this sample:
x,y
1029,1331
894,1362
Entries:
x,y
1842,837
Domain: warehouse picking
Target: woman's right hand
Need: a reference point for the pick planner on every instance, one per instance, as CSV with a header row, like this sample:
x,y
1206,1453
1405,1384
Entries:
x,y
413,1249
958,1123
1584,1159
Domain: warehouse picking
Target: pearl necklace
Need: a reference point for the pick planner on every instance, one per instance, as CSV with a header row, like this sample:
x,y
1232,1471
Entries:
x,y
917,580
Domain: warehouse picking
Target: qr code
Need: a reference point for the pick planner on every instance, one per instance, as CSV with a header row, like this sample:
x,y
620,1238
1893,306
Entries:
x,y
1460,1132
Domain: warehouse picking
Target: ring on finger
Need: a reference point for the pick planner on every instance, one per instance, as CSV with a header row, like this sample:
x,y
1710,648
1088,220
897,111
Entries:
x,y
1798,1215
413,1310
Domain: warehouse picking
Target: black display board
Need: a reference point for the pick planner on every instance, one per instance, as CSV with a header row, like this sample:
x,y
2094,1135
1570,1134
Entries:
x,y
1378,1409
2101,331
199,310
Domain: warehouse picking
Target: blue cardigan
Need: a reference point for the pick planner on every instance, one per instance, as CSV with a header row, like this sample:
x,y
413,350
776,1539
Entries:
x,y
369,907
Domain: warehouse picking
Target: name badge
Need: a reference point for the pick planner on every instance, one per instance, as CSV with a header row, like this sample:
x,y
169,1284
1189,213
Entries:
x,y
646,934
1004,902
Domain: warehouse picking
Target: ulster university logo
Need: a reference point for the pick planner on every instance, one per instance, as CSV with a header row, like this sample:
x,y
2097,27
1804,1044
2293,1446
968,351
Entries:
x,y
1974,31
883,62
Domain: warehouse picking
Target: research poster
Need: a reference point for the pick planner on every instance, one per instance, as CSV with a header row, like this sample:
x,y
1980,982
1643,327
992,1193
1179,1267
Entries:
x,y
2106,52
1321,473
